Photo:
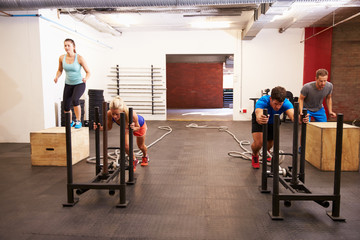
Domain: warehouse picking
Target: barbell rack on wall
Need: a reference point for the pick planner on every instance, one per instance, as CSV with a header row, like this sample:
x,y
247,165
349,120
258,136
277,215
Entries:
x,y
141,88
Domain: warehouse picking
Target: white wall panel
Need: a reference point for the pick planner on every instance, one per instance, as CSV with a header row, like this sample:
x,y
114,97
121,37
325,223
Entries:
x,y
32,46
21,108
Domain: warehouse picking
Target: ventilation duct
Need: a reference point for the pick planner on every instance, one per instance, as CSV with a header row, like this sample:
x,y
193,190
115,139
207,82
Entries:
x,y
42,4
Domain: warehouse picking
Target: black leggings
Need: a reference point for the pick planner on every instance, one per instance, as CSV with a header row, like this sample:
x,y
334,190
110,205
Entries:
x,y
72,94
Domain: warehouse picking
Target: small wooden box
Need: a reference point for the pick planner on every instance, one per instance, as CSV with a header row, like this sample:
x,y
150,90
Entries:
x,y
321,144
48,146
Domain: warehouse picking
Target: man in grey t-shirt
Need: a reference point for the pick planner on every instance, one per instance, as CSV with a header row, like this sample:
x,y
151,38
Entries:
x,y
312,95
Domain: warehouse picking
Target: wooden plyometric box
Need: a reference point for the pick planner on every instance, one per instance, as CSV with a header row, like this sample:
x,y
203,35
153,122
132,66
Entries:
x,y
321,144
48,146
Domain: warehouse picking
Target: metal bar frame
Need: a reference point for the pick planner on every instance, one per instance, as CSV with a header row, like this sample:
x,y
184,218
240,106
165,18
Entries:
x,y
294,168
335,213
101,180
105,140
264,175
275,213
131,180
303,148
307,196
97,142
71,201
123,202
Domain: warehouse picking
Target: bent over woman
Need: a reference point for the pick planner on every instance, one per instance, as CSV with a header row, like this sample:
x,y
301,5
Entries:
x,y
138,125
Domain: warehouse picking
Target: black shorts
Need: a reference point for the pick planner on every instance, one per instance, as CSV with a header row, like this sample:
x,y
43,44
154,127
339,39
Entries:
x,y
255,127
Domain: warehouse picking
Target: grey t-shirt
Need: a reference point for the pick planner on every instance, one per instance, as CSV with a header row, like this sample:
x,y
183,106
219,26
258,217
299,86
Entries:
x,y
314,97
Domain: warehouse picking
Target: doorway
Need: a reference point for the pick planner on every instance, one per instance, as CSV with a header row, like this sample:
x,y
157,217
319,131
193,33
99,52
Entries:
x,y
199,87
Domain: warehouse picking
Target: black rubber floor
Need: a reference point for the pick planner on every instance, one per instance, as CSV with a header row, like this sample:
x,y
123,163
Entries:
x,y
191,189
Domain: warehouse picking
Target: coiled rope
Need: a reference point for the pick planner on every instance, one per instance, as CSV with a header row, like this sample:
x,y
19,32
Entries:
x,y
115,155
246,154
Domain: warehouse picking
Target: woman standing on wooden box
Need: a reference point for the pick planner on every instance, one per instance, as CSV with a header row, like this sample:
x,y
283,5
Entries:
x,y
75,86
138,125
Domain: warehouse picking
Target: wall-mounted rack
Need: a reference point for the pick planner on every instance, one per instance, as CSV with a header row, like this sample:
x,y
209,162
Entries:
x,y
143,89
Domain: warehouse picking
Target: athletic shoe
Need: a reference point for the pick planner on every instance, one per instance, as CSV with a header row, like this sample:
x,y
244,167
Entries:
x,y
145,161
255,162
72,124
78,124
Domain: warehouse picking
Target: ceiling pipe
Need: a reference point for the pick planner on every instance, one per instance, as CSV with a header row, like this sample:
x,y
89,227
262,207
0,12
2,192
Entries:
x,y
92,21
334,25
11,5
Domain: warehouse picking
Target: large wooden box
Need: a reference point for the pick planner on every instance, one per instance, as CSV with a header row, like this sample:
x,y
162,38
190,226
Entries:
x,y
321,143
48,146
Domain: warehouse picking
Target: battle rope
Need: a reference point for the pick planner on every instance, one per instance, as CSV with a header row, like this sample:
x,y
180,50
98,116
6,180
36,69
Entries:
x,y
246,154
115,156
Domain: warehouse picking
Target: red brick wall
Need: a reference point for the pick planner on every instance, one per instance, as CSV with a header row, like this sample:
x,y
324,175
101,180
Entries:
x,y
194,85
345,69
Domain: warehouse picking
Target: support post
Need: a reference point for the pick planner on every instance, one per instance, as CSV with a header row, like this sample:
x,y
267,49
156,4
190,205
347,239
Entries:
x,y
123,203
71,201
264,157
97,141
335,214
131,180
303,148
275,213
105,170
294,169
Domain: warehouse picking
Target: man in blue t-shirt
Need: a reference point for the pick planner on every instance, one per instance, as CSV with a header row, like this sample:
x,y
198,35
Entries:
x,y
276,103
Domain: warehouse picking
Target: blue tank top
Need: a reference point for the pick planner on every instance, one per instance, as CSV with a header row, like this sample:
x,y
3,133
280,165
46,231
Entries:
x,y
141,120
73,72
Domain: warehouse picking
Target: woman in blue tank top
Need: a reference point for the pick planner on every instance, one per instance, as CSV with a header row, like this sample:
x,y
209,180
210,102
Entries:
x,y
75,86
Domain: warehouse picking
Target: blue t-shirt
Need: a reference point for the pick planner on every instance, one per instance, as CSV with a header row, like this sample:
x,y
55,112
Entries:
x,y
264,102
